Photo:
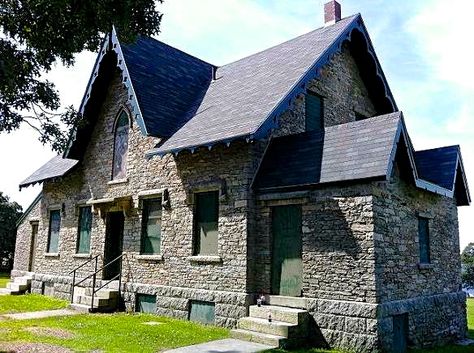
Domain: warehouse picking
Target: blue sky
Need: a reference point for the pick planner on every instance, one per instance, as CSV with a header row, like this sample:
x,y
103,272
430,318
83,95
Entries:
x,y
423,47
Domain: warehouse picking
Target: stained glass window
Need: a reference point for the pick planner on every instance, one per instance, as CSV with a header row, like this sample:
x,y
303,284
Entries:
x,y
121,147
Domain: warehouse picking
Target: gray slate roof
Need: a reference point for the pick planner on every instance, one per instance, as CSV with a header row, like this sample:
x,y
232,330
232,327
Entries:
x,y
438,165
55,167
352,151
245,92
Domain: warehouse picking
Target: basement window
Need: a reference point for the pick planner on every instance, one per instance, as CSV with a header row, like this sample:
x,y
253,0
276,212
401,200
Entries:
x,y
206,217
424,240
145,303
314,108
203,312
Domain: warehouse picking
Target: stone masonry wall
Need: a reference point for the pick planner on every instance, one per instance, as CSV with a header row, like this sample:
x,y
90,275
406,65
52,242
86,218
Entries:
x,y
429,293
229,167
343,91
23,240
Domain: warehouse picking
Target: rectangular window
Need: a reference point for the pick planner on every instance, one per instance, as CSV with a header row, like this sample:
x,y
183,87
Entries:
x,y
146,303
53,233
151,226
206,216
84,231
203,312
314,112
424,240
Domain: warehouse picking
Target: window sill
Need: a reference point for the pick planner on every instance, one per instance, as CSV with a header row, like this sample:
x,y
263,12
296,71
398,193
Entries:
x,y
51,254
118,181
425,266
205,259
82,256
145,257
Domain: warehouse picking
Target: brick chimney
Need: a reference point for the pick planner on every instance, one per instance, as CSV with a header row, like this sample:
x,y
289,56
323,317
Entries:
x,y
332,12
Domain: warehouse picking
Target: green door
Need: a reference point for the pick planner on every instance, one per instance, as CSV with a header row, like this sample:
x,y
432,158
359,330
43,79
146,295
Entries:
x,y
287,266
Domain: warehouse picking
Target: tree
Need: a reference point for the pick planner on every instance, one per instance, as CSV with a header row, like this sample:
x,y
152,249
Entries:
x,y
10,212
467,263
34,34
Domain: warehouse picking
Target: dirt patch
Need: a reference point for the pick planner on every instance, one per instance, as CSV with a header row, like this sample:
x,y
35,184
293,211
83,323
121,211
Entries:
x,y
47,331
32,348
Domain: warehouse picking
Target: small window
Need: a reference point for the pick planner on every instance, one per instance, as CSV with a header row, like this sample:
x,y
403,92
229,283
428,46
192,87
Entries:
x,y
84,231
314,112
206,219
53,233
151,227
120,147
146,303
424,240
203,312
400,333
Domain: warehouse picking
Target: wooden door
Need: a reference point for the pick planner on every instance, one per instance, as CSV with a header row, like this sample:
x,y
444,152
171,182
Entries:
x,y
400,333
113,243
287,265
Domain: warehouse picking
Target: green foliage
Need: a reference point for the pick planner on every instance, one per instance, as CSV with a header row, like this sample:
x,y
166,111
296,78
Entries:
x,y
4,279
34,34
10,304
467,262
115,332
10,212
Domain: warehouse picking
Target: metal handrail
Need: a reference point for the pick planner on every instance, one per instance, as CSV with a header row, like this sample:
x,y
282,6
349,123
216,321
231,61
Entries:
x,y
96,258
85,263
94,278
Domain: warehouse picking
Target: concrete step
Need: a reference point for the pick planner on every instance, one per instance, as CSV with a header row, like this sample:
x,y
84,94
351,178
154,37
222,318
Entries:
x,y
80,307
290,302
279,313
102,293
16,287
277,328
98,302
23,281
257,337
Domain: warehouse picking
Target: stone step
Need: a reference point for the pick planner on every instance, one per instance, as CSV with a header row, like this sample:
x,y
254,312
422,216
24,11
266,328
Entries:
x,y
23,280
277,328
279,313
17,287
290,302
102,293
257,337
98,302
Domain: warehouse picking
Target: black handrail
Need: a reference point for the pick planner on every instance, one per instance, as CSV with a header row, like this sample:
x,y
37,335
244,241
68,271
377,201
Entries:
x,y
74,274
94,278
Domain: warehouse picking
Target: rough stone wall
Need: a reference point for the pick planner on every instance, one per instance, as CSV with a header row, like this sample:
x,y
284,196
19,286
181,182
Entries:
x,y
23,240
181,175
429,293
343,91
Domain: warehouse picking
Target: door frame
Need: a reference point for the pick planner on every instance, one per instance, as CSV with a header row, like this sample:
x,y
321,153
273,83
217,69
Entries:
x,y
33,242
110,240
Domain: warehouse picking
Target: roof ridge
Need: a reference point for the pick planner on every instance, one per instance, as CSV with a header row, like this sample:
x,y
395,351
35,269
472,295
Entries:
x,y
288,40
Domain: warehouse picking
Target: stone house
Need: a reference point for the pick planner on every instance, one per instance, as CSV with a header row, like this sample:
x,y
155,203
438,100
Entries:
x,y
289,173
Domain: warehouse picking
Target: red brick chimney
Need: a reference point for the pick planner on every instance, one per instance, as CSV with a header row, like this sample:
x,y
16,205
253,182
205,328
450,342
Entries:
x,y
332,12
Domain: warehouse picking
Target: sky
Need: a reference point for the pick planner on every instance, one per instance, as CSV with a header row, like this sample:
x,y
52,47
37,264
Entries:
x,y
424,48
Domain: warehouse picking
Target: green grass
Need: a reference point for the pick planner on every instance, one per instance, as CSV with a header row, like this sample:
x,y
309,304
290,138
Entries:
x,y
114,332
10,304
4,279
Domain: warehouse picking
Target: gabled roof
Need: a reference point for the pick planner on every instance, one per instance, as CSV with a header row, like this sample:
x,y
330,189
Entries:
x,y
360,150
54,168
190,103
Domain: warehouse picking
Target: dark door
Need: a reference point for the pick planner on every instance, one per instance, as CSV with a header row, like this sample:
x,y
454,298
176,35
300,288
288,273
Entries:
x,y
400,333
287,266
113,244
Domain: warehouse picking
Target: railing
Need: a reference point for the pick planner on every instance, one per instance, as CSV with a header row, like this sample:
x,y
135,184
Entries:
x,y
94,278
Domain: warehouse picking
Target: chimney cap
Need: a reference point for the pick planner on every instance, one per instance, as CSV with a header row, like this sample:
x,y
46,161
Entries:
x,y
332,12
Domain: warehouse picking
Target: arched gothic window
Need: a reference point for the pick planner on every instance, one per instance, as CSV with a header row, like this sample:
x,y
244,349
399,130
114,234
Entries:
x,y
121,147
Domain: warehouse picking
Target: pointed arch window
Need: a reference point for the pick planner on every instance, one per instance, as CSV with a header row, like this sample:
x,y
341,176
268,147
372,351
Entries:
x,y
122,127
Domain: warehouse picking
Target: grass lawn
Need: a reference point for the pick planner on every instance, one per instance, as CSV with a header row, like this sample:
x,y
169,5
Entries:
x,y
111,332
4,279
10,304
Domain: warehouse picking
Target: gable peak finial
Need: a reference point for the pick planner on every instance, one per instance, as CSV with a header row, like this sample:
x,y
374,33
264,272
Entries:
x,y
332,12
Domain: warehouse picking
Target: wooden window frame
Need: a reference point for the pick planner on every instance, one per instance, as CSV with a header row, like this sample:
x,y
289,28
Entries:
x,y
196,231
424,258
48,245
79,229
321,120
145,218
